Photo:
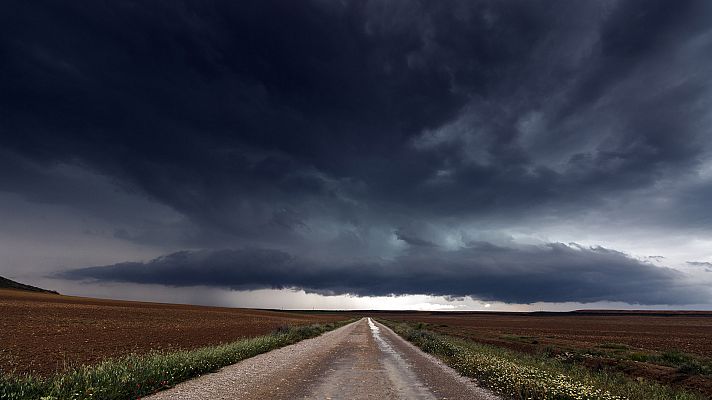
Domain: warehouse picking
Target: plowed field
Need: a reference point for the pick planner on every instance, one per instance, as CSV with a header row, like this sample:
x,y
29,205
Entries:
x,y
44,333
672,348
689,332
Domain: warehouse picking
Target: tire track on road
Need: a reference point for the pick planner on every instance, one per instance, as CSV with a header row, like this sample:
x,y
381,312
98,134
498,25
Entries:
x,y
362,360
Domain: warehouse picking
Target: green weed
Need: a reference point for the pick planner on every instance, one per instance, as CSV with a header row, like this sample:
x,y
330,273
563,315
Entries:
x,y
135,376
521,376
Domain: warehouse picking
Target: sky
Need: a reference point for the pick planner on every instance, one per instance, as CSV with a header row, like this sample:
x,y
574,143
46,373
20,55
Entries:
x,y
444,155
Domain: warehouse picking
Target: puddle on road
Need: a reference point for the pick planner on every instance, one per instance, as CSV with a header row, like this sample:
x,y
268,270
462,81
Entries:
x,y
398,369
382,344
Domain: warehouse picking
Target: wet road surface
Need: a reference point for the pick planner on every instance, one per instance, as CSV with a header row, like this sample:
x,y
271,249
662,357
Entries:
x,y
363,360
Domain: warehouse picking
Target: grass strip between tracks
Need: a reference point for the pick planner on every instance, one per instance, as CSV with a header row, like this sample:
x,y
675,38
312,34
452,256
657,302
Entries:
x,y
521,376
135,376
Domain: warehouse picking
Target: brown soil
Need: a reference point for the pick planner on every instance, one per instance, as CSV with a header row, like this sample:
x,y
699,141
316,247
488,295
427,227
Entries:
x,y
43,333
685,332
598,332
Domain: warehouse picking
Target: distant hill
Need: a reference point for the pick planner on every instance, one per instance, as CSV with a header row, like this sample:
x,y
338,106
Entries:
x,y
8,284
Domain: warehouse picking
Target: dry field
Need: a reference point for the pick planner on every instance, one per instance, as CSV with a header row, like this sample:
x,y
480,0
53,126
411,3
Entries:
x,y
44,333
669,347
660,331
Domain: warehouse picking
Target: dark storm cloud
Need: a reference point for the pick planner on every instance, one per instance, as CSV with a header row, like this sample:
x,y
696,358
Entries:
x,y
279,124
553,273
412,240
700,263
204,105
707,266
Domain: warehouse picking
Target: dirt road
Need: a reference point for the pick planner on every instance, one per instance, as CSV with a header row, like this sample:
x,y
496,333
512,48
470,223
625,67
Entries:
x,y
363,360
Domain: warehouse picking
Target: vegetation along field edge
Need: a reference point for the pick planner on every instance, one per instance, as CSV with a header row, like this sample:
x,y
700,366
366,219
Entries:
x,y
522,376
135,376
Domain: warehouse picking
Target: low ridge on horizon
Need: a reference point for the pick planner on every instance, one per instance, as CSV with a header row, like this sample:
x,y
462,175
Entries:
x,y
6,283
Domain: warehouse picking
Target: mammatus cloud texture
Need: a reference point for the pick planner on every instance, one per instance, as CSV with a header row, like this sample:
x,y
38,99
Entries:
x,y
364,147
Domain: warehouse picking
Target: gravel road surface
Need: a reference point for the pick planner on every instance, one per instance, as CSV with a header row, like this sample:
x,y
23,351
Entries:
x,y
363,360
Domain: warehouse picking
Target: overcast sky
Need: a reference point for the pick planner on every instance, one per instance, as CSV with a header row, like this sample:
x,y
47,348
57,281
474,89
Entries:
x,y
508,155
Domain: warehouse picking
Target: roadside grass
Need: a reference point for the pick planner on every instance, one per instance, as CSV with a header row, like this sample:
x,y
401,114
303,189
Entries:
x,y
616,356
685,363
523,376
135,376
523,339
